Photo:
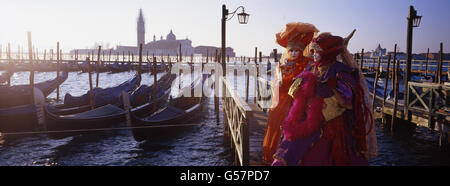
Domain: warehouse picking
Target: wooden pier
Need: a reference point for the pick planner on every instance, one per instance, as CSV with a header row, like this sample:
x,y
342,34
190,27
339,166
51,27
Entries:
x,y
244,127
424,104
423,110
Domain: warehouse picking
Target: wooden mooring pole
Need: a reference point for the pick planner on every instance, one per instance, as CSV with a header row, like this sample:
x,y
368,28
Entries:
x,y
181,58
362,59
426,63
91,89
393,66
275,55
10,64
386,86
386,82
58,57
98,66
375,83
155,85
215,57
247,72
394,113
30,53
207,56
439,66
255,92
140,62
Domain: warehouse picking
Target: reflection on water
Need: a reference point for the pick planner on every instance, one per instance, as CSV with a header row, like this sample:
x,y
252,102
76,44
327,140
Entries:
x,y
200,145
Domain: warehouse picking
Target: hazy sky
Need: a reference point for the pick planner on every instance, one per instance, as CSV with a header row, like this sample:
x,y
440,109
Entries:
x,y
82,23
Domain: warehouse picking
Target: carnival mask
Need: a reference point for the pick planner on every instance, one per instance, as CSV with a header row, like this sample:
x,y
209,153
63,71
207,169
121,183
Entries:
x,y
315,51
294,53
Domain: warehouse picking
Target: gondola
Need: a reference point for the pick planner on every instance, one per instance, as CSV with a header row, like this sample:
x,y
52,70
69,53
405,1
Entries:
x,y
84,67
116,68
107,115
83,104
71,67
148,67
169,120
11,96
78,104
104,96
22,118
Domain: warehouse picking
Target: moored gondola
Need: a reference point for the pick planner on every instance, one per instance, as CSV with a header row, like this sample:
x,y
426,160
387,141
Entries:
x,y
23,118
139,95
116,68
11,96
102,96
173,118
102,117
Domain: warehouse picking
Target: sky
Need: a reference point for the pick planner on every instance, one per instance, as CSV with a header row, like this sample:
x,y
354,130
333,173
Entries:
x,y
82,23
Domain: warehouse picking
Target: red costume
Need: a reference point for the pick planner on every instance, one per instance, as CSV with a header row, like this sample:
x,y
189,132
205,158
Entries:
x,y
295,36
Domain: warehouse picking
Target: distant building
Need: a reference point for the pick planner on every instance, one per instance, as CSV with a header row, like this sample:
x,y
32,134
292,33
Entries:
x,y
164,47
378,52
211,51
169,46
140,29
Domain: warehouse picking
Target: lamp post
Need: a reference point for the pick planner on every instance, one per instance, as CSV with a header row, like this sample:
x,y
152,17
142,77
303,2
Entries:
x,y
243,19
413,21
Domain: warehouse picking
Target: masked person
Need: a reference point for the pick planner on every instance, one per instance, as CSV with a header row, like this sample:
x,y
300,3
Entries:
x,y
294,37
330,121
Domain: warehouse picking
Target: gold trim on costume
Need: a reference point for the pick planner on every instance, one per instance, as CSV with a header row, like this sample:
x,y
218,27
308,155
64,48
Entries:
x,y
295,85
281,159
332,108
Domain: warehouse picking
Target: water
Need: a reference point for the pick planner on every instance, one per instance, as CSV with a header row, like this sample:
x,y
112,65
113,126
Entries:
x,y
201,145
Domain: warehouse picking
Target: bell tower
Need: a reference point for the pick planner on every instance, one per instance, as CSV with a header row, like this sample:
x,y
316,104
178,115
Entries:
x,y
140,29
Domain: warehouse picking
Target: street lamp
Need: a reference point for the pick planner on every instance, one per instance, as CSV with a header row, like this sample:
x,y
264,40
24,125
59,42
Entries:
x,y
413,21
415,18
242,18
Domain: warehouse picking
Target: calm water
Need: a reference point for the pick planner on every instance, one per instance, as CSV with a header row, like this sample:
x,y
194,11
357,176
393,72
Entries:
x,y
201,145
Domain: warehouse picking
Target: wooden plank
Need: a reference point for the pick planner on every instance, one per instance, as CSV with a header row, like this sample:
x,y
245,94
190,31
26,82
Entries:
x,y
258,125
418,120
419,97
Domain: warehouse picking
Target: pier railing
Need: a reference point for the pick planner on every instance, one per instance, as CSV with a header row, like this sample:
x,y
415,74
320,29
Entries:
x,y
426,95
237,114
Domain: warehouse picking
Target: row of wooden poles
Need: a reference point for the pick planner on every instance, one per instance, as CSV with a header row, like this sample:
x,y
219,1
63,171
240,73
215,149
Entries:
x,y
247,73
437,74
31,59
155,84
395,80
30,52
125,58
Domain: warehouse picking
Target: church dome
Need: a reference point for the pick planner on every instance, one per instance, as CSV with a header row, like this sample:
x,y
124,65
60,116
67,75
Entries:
x,y
171,36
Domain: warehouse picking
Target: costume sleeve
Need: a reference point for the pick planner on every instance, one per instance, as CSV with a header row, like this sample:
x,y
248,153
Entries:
x,y
305,115
344,86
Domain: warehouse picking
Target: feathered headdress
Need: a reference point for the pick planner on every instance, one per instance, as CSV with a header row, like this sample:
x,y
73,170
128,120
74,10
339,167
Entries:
x,y
296,35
